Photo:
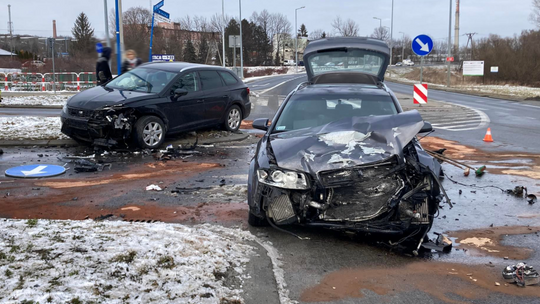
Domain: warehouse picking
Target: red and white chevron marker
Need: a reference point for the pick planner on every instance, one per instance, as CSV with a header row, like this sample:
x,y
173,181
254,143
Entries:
x,y
420,93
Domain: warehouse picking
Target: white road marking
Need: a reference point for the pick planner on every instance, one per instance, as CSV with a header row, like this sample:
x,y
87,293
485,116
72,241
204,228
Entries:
x,y
279,84
36,170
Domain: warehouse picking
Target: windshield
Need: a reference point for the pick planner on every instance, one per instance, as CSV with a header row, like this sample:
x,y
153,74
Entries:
x,y
142,80
352,60
315,110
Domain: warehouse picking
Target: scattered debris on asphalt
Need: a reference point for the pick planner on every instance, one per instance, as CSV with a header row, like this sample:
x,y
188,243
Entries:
x,y
1,151
467,169
153,188
521,274
180,152
85,165
517,191
531,199
441,244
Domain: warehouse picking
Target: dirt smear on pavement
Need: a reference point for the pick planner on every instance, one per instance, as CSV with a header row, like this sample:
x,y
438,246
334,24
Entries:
x,y
487,242
522,164
87,195
447,282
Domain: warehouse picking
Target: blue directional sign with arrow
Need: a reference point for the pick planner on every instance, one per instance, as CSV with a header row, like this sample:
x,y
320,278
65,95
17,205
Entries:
x,y
159,5
422,45
162,13
33,171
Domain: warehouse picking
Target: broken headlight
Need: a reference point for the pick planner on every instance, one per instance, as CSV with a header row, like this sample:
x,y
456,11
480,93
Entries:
x,y
283,179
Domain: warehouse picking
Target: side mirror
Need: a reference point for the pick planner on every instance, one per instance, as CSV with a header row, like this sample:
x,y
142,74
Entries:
x,y
261,124
180,92
426,128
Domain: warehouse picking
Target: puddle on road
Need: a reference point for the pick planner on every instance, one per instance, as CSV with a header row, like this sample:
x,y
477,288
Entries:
x,y
468,282
488,241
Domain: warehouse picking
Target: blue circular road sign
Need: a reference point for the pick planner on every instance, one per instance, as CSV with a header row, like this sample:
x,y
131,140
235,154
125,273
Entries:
x,y
33,171
422,45
99,47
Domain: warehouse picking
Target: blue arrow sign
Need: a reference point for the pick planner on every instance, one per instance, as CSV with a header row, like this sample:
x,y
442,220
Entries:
x,y
162,13
159,5
33,171
422,45
99,47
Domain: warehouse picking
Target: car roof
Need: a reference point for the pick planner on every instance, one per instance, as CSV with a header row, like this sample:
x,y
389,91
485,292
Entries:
x,y
326,89
180,66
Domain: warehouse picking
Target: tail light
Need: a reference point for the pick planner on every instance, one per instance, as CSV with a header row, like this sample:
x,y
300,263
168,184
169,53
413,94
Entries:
x,y
247,90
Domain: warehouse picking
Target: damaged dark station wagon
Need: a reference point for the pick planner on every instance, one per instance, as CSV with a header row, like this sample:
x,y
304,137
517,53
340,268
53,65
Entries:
x,y
144,105
340,152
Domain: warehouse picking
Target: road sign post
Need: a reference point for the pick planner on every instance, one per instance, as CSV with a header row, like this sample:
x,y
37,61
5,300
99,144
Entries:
x,y
422,45
156,10
234,42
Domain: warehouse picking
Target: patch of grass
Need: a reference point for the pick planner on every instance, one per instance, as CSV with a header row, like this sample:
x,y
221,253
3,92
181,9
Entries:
x,y
29,247
31,222
8,273
74,272
166,262
14,249
49,299
75,301
125,258
20,283
44,254
229,301
3,256
55,281
57,238
28,302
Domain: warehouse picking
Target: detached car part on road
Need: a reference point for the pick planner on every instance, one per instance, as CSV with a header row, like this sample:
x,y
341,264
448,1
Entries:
x,y
156,99
340,152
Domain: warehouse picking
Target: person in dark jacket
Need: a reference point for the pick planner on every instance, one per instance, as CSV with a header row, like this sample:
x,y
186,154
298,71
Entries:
x,y
131,61
103,71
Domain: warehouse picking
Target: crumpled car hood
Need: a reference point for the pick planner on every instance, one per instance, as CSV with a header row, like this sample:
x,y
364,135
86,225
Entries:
x,y
99,97
345,143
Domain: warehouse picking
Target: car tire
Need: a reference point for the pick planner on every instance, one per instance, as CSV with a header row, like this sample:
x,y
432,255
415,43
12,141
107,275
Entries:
x,y
256,221
233,119
149,132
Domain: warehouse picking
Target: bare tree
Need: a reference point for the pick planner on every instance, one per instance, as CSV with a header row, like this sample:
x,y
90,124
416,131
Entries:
x,y
381,33
282,30
345,28
316,34
535,15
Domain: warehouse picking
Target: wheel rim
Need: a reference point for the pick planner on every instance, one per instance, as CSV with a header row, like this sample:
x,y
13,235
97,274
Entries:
x,y
152,133
234,119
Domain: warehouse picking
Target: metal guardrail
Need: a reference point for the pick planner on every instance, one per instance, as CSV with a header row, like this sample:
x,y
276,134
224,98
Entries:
x,y
64,81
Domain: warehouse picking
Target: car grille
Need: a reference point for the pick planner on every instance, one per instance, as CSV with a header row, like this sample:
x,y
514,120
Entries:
x,y
80,112
76,124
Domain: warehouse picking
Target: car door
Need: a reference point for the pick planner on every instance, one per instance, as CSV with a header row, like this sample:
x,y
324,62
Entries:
x,y
216,97
186,112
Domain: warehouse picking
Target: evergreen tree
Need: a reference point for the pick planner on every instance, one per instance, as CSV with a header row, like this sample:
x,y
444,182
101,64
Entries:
x,y
83,32
302,32
323,35
189,52
203,51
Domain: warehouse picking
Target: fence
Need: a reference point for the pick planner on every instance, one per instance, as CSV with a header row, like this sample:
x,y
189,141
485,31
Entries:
x,y
64,81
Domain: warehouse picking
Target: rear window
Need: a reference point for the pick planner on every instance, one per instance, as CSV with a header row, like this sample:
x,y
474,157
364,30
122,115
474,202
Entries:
x,y
229,78
350,60
210,80
315,110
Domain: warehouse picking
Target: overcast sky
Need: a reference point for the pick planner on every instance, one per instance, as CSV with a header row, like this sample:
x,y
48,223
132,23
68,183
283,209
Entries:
x,y
503,17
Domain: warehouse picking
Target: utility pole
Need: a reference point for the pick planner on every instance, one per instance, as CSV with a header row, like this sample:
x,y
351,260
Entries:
x,y
456,30
470,38
241,43
392,33
403,47
449,43
223,31
106,23
10,27
118,7
296,36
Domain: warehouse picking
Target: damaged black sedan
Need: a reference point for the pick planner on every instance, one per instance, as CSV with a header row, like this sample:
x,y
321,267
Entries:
x,y
145,104
341,154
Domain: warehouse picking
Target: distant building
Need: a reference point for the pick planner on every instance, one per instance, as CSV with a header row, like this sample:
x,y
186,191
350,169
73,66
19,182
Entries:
x,y
286,47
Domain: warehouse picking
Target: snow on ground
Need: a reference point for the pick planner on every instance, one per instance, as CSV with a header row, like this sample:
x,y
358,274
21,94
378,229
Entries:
x,y
120,262
30,127
40,99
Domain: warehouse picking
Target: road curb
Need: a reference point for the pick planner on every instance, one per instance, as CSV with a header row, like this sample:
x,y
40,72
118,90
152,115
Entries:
x,y
72,143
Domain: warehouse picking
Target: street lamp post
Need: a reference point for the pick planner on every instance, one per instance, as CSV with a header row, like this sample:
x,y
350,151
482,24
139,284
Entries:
x,y
241,43
449,43
403,47
392,33
296,36
380,21
223,31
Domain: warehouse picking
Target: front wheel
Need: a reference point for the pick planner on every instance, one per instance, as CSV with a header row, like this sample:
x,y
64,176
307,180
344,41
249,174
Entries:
x,y
256,221
233,119
149,132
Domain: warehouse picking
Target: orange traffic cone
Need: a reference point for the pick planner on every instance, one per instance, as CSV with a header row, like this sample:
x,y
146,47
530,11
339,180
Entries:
x,y
488,137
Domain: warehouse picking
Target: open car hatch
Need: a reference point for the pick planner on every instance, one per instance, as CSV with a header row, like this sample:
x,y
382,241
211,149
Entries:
x,y
347,54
